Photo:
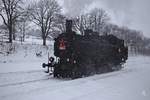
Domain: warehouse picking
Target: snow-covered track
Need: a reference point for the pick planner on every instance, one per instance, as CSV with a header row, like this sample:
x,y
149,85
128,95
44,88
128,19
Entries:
x,y
24,82
22,77
21,72
132,83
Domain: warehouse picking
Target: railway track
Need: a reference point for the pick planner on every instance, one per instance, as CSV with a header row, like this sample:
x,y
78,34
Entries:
x,y
21,83
22,77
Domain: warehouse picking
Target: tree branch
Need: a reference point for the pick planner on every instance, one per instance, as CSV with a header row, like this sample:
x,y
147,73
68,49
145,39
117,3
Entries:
x,y
4,20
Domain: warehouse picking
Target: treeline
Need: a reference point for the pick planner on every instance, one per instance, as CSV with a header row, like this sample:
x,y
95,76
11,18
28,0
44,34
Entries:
x,y
18,16
99,21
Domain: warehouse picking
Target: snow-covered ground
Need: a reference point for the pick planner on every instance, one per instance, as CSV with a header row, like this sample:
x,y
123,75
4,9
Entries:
x,y
23,57
22,78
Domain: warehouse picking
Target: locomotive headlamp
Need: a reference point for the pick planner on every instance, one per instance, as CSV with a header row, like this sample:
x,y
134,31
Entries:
x,y
68,60
119,50
51,59
74,62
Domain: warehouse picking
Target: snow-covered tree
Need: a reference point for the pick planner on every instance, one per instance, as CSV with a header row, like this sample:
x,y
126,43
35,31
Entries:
x,y
10,10
43,14
96,20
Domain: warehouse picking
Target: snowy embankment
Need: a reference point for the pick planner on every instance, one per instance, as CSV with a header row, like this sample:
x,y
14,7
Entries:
x,y
23,56
22,78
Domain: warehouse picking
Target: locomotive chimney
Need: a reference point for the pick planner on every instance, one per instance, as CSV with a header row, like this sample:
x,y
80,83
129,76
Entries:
x,y
68,26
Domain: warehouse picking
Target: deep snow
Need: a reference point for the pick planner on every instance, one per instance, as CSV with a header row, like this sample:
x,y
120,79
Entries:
x,y
22,78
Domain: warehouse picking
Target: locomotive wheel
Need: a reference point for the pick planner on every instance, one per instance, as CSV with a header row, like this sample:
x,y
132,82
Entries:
x,y
76,75
56,72
117,67
56,75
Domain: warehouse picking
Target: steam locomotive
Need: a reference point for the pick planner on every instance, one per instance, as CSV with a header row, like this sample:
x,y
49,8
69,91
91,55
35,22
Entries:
x,y
88,54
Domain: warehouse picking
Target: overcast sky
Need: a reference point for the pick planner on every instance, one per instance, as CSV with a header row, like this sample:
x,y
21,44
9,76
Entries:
x,y
132,13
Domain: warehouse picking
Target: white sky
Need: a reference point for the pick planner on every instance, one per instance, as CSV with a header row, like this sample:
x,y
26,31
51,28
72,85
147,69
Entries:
x,y
132,13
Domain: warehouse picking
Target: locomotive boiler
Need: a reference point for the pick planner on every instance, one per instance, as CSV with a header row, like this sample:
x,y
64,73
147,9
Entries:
x,y
88,54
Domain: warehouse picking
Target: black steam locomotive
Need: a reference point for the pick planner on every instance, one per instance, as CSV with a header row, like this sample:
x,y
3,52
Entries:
x,y
88,54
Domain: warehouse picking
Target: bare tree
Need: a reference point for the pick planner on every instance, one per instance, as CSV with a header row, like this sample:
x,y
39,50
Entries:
x,y
60,21
22,26
96,20
43,14
10,10
80,23
59,26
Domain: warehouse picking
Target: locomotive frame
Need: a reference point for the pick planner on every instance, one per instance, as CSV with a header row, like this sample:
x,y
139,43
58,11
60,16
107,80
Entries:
x,y
88,54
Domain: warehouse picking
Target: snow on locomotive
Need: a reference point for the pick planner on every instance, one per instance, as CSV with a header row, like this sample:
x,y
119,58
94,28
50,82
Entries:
x,y
88,54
